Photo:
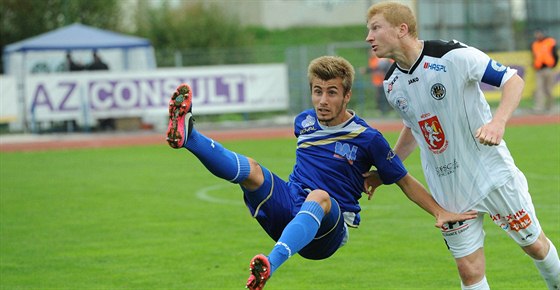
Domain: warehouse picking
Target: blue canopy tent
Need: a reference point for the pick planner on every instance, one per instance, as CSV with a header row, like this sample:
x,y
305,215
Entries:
x,y
124,52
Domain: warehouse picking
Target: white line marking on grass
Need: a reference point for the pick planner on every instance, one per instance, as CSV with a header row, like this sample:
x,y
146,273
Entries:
x,y
203,194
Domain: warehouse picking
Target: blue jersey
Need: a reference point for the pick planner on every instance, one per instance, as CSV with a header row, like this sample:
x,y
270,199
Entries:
x,y
334,158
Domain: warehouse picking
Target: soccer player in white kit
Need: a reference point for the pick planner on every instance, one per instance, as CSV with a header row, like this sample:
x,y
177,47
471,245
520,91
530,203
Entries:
x,y
434,86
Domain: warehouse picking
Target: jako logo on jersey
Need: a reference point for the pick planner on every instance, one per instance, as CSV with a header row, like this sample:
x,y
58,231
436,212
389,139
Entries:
x,y
438,91
434,66
307,124
411,81
433,134
390,86
343,150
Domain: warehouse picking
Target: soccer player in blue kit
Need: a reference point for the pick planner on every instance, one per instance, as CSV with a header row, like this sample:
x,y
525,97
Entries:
x,y
310,213
435,87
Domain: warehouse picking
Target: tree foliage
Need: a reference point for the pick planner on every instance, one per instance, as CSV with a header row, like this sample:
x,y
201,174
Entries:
x,y
21,19
198,25
192,24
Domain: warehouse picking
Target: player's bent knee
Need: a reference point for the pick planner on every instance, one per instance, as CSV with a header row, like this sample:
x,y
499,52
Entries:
x,y
254,165
470,274
321,197
539,249
472,267
256,176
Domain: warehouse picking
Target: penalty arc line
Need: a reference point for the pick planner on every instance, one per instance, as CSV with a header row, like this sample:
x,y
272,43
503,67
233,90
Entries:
x,y
204,194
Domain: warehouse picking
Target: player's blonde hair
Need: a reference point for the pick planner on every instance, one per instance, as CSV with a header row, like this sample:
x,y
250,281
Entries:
x,y
331,67
395,13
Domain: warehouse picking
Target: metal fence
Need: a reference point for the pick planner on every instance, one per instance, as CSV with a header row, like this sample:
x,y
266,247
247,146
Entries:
x,y
296,58
498,25
488,25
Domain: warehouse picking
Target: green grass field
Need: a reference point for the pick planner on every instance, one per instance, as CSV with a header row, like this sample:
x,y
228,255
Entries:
x,y
149,217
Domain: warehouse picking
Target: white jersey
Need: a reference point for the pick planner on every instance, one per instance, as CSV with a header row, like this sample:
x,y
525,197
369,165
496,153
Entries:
x,y
440,99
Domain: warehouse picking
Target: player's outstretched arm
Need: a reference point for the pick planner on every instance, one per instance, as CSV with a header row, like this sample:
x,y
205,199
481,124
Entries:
x,y
405,144
416,192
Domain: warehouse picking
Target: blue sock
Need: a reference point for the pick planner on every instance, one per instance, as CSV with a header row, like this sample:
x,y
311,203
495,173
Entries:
x,y
297,234
220,161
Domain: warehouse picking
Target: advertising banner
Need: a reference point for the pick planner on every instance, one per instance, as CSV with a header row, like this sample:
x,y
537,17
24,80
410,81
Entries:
x,y
86,97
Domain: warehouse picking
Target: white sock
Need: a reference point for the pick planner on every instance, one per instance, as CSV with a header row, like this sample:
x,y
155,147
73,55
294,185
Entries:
x,y
549,267
482,285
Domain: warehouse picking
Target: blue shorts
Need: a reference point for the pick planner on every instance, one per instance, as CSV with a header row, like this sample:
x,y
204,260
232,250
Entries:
x,y
277,202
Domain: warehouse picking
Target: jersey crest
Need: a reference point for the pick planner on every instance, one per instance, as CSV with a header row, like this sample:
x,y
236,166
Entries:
x,y
438,91
402,104
308,125
433,134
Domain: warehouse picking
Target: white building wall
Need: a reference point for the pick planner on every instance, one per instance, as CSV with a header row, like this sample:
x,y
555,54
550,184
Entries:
x,y
278,14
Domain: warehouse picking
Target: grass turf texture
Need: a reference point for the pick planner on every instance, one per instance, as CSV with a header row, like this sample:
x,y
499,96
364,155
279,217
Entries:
x,y
140,218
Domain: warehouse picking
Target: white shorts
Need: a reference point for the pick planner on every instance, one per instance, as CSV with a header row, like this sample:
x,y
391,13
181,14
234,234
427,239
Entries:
x,y
510,207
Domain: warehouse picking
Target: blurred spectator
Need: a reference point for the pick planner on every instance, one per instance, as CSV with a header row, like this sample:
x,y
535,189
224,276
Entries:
x,y
97,63
71,65
377,68
545,58
108,124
